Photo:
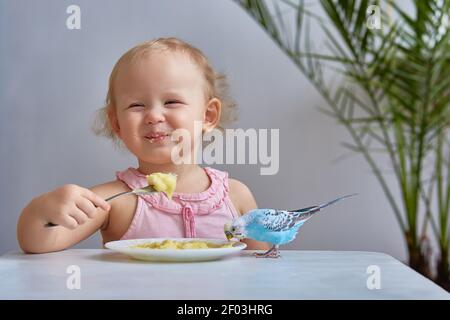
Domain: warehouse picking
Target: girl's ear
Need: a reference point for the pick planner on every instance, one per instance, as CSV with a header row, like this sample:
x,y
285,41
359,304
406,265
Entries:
x,y
112,117
212,114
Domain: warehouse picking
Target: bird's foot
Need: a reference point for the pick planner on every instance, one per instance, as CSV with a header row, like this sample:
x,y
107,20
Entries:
x,y
272,253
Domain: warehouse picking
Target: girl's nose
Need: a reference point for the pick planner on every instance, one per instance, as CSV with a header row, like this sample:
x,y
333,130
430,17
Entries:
x,y
154,114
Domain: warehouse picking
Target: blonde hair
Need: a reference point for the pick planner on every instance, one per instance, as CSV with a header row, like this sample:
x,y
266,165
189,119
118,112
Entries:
x,y
216,83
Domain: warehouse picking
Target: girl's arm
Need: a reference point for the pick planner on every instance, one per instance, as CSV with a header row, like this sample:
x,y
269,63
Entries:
x,y
79,212
244,201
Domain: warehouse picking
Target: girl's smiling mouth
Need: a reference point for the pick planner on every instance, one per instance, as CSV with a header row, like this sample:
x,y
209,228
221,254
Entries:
x,y
156,137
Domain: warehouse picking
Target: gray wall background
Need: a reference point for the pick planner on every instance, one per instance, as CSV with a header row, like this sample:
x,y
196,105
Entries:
x,y
53,79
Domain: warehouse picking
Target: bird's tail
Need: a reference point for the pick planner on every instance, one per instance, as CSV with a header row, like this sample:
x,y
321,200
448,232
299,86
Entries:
x,y
336,200
306,213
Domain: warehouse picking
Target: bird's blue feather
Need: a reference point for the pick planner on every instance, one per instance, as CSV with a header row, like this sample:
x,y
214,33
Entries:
x,y
277,226
272,226
258,232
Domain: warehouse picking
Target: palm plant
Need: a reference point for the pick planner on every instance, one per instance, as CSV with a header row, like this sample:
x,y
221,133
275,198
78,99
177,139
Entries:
x,y
393,99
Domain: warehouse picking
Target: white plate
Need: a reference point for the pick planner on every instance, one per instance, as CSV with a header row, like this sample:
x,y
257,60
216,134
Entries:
x,y
125,246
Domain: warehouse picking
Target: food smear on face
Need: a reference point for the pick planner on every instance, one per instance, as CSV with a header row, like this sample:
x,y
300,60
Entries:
x,y
172,244
163,182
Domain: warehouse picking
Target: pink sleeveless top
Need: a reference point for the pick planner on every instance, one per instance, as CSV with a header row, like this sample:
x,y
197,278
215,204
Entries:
x,y
187,215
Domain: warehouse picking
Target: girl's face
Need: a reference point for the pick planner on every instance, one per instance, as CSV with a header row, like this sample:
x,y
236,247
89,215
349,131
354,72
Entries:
x,y
156,95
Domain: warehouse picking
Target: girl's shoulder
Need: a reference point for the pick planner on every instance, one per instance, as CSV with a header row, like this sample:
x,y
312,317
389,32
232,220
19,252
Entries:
x,y
241,196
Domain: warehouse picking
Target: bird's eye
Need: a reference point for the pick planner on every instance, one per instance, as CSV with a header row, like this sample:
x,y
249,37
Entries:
x,y
233,229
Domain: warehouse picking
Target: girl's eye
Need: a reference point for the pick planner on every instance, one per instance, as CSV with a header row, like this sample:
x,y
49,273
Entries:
x,y
134,105
173,102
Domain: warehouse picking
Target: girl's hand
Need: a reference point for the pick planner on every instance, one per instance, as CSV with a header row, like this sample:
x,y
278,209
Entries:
x,y
70,206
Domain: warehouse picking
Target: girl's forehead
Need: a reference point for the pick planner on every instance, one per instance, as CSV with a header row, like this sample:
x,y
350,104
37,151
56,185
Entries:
x,y
175,67
160,71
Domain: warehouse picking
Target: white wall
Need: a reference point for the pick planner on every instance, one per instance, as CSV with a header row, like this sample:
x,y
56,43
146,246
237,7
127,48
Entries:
x,y
52,79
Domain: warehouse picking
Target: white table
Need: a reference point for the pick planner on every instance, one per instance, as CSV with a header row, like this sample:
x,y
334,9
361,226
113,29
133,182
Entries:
x,y
296,275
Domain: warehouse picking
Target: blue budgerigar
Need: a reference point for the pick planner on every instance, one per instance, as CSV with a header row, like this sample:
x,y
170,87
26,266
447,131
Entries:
x,y
274,226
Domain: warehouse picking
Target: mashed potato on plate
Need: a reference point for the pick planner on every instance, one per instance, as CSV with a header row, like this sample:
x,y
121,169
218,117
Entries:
x,y
172,244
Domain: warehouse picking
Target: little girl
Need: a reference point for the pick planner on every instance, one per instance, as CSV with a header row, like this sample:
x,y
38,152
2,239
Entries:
x,y
155,88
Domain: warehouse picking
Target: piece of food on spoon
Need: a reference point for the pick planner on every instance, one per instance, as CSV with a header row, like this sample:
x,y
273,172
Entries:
x,y
163,182
172,244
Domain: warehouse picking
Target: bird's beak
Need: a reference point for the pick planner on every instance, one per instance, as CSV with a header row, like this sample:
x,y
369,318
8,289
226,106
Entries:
x,y
229,235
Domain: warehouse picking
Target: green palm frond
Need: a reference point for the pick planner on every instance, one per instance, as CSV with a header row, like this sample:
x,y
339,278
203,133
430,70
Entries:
x,y
395,90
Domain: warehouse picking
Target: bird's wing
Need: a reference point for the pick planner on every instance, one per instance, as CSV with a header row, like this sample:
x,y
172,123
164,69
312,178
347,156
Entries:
x,y
282,220
276,220
304,214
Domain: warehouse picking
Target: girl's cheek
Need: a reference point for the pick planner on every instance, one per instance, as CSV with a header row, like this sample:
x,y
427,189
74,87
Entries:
x,y
180,120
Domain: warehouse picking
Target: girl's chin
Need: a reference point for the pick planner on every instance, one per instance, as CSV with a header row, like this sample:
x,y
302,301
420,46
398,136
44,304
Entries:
x,y
162,156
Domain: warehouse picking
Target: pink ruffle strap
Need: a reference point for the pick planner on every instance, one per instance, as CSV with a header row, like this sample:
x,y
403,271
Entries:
x,y
189,222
